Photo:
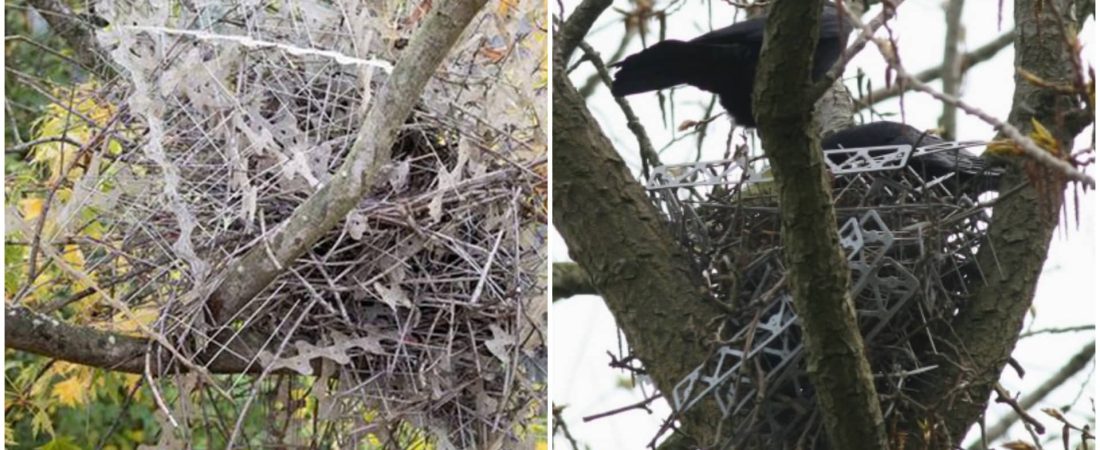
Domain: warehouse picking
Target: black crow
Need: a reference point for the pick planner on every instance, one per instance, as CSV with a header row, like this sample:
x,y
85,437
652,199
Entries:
x,y
722,61
971,171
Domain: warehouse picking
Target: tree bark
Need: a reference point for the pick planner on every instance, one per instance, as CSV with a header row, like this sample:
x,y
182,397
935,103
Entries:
x,y
28,331
985,331
616,236
251,273
817,271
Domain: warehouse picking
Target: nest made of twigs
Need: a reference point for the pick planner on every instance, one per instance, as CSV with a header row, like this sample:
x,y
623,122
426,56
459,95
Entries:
x,y
426,306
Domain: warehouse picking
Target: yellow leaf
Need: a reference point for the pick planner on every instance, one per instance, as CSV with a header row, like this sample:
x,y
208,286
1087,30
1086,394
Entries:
x,y
1039,134
505,8
71,391
73,256
31,207
1043,138
143,315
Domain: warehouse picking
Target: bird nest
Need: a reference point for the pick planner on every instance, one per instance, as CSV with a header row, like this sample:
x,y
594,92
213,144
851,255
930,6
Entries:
x,y
911,245
420,317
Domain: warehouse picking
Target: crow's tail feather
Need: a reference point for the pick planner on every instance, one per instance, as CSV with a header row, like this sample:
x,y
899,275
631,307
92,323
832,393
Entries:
x,y
666,64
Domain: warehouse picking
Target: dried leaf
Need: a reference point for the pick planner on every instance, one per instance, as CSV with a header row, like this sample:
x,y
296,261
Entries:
x,y
500,343
393,296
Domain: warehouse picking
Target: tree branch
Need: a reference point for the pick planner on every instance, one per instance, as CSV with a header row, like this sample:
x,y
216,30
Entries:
x,y
572,32
951,69
29,331
987,327
570,280
966,61
78,33
251,273
817,270
618,238
1076,364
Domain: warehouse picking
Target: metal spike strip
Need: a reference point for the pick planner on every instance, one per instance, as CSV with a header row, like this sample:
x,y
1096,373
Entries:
x,y
855,160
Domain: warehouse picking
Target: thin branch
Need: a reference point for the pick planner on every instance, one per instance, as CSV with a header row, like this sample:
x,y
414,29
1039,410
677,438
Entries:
x,y
1025,143
1075,364
866,34
966,61
645,146
1059,330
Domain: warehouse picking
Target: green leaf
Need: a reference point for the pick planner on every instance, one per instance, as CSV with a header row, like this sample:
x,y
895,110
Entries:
x,y
60,443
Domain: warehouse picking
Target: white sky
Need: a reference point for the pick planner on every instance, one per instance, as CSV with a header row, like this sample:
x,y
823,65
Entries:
x,y
583,331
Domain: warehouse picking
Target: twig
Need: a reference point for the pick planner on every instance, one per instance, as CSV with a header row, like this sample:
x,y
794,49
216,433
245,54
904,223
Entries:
x,y
572,32
643,404
1025,143
866,34
645,146
1076,364
559,424
1059,330
966,61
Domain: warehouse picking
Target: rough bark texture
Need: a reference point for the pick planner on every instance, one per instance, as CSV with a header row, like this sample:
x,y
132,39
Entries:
x,y
570,280
616,236
817,270
987,328
250,274
28,331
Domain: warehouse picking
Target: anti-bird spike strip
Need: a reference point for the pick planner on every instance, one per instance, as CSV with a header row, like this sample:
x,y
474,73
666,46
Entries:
x,y
910,243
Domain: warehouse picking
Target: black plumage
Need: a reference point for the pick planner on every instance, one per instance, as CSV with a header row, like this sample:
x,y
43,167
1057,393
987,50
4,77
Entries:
x,y
972,172
722,62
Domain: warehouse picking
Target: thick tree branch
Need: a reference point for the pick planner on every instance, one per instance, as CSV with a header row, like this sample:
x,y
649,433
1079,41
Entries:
x,y
572,32
951,69
570,280
28,331
987,327
817,270
250,274
615,234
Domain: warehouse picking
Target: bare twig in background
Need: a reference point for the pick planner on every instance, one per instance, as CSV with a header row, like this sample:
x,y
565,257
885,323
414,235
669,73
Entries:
x,y
951,69
1058,330
1025,143
966,61
645,146
866,33
1076,364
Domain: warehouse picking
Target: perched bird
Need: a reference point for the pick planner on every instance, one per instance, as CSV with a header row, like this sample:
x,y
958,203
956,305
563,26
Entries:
x,y
722,61
972,172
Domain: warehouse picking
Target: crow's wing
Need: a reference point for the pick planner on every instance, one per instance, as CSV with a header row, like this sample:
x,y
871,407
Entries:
x,y
941,162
